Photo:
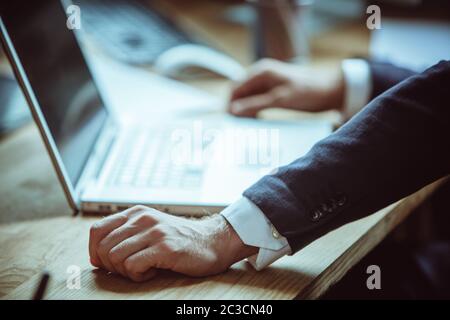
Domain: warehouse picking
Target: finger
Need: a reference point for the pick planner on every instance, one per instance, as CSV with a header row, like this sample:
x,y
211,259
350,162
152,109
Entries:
x,y
147,275
115,237
249,107
102,228
126,248
259,82
139,263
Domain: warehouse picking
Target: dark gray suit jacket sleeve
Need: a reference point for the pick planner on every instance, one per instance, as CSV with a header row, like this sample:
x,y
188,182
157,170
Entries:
x,y
397,144
386,75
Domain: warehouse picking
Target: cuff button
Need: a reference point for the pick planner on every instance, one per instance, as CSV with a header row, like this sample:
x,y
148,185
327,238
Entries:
x,y
275,233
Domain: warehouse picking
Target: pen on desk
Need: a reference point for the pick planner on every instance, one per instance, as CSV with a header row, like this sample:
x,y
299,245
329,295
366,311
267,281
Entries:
x,y
40,291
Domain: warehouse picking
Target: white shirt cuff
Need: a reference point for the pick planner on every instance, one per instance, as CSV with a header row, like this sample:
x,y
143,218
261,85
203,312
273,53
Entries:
x,y
254,229
358,84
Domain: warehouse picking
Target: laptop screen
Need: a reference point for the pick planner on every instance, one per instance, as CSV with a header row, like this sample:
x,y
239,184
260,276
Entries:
x,y
59,77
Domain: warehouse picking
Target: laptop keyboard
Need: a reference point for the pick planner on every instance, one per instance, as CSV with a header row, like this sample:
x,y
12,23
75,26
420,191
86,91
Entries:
x,y
147,162
129,30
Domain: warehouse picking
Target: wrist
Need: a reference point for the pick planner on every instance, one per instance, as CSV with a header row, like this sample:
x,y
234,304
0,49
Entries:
x,y
228,244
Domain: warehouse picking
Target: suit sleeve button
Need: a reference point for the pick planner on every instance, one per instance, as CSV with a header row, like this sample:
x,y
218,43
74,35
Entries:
x,y
316,215
341,200
328,208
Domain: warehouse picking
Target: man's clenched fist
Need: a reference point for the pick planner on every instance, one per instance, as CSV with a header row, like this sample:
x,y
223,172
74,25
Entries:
x,y
136,242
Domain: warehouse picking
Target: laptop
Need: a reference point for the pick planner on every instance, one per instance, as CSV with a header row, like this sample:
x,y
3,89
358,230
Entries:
x,y
186,166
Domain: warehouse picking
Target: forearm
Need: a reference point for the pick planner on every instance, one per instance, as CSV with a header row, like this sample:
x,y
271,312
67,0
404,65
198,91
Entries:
x,y
384,76
397,144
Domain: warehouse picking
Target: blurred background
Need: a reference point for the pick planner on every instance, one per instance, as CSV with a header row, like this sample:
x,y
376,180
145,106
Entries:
x,y
414,34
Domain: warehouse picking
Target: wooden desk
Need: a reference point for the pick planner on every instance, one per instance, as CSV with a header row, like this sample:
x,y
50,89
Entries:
x,y
37,230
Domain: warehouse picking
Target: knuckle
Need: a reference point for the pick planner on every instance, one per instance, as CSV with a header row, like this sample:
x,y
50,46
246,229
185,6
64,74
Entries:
x,y
280,93
134,210
102,244
101,251
158,232
145,219
129,266
122,217
267,72
266,62
113,257
139,207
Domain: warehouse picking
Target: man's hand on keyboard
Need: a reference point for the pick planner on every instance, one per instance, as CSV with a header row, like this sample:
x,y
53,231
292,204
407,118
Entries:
x,y
272,83
137,242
